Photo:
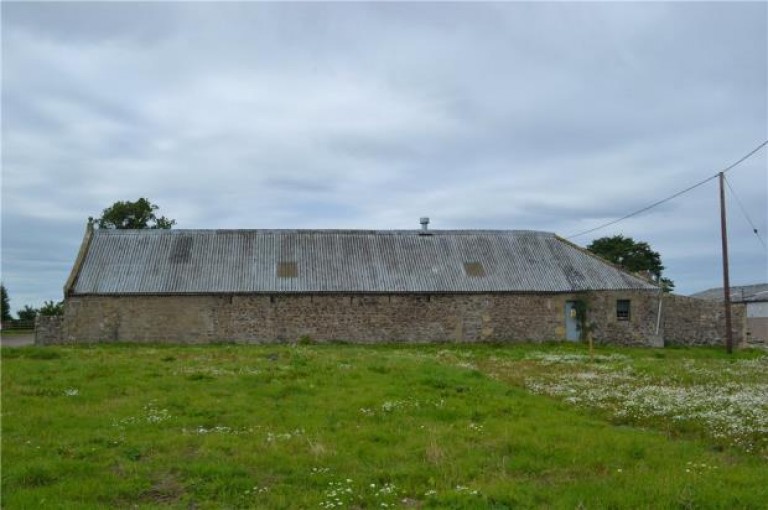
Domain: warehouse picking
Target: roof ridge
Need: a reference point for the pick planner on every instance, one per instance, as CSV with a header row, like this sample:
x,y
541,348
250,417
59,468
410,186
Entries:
x,y
179,231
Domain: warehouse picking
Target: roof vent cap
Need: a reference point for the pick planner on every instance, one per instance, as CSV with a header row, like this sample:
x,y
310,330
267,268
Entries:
x,y
424,222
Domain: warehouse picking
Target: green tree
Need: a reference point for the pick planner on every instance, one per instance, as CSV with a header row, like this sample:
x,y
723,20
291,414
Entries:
x,y
6,305
51,308
635,256
27,314
132,215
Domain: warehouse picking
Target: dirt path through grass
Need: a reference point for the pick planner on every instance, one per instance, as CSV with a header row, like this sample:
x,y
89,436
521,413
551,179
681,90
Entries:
x,y
17,339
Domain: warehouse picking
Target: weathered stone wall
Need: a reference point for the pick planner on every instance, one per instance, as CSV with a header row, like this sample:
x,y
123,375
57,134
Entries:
x,y
49,330
176,319
639,330
392,318
691,321
354,318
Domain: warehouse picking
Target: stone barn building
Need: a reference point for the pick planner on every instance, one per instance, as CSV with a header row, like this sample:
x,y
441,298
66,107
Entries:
x,y
194,286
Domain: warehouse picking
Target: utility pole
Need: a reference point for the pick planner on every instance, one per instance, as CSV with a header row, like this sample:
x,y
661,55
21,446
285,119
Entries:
x,y
726,283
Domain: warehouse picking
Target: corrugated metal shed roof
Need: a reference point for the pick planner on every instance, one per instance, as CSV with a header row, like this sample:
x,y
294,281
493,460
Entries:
x,y
393,261
739,294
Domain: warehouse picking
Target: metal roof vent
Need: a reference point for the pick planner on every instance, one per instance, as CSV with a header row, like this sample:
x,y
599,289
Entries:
x,y
424,223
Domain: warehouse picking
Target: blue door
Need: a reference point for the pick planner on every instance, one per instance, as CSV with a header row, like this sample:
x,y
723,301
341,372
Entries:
x,y
571,322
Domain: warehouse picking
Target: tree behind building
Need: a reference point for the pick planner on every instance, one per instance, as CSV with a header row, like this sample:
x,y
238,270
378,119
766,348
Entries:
x,y
634,256
132,215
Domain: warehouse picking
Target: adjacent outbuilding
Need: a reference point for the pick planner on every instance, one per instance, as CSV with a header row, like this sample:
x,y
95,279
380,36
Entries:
x,y
755,299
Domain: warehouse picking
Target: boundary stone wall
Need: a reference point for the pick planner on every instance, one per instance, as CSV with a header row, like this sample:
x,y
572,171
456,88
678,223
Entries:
x,y
692,321
49,329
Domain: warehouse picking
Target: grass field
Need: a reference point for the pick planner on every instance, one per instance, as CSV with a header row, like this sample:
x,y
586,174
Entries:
x,y
342,426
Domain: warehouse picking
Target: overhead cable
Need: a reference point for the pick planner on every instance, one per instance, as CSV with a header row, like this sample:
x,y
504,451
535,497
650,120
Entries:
x,y
686,190
746,216
745,157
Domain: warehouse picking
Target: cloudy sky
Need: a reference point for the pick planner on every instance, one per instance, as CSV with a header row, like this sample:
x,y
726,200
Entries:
x,y
544,116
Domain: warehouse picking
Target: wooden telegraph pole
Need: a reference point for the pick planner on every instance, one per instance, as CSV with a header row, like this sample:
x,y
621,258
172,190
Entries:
x,y
726,283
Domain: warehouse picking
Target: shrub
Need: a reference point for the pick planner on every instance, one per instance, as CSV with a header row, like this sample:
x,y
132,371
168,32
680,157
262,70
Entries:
x,y
50,308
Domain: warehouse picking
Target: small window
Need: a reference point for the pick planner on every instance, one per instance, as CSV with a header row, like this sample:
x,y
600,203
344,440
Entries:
x,y
474,269
622,309
287,270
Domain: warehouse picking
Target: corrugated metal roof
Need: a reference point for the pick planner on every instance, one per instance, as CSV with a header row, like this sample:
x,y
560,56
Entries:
x,y
739,294
393,261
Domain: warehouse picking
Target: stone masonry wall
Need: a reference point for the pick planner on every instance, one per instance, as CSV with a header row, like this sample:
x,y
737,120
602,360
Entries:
x,y
174,319
639,330
691,321
390,318
48,329
354,318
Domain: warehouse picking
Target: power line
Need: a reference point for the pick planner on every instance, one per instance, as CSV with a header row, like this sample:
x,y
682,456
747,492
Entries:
x,y
745,157
744,212
686,190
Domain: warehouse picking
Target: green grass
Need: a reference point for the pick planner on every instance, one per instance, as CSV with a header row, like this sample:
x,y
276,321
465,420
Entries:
x,y
343,426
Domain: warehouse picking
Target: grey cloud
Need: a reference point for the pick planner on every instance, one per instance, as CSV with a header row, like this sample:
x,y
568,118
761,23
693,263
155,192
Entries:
x,y
542,116
37,257
89,22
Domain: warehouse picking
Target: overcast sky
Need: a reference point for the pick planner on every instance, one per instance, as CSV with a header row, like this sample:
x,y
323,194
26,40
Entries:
x,y
543,116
